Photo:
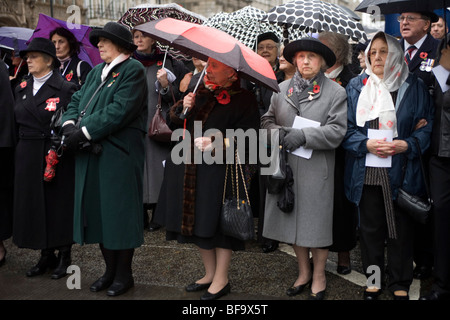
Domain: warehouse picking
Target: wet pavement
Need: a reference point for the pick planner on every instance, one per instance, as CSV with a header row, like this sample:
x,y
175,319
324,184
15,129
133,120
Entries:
x,y
162,269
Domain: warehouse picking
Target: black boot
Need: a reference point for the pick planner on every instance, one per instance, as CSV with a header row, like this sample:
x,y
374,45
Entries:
x,y
124,277
146,217
48,260
152,226
108,277
64,261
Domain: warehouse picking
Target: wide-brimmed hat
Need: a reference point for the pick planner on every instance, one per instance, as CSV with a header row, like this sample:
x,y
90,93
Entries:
x,y
309,44
115,32
43,45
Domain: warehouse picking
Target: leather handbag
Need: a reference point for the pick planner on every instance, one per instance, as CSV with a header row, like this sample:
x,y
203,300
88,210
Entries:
x,y
236,219
417,207
287,197
276,181
159,130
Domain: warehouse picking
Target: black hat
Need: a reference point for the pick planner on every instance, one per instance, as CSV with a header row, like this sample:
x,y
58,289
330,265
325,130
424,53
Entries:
x,y
43,45
430,14
115,32
267,36
309,44
362,46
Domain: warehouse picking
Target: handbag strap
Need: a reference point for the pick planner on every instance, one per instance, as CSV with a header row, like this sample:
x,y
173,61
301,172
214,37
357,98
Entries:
x,y
159,96
427,187
238,168
83,112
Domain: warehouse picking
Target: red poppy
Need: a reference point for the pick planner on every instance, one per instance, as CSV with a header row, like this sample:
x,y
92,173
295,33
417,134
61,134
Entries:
x,y
23,84
316,88
364,81
115,75
223,97
423,55
69,76
159,63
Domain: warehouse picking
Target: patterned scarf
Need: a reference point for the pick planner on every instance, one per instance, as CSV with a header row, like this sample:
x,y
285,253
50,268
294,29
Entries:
x,y
300,84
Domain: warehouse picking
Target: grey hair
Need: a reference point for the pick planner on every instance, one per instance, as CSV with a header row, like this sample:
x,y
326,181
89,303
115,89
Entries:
x,y
338,43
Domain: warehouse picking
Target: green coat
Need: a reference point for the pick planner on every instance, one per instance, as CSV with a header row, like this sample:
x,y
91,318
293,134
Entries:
x,y
108,187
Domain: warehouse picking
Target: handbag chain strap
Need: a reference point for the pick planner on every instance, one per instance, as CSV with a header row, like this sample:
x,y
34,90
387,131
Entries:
x,y
238,167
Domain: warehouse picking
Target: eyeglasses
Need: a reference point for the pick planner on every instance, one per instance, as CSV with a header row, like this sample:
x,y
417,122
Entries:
x,y
408,19
31,57
268,47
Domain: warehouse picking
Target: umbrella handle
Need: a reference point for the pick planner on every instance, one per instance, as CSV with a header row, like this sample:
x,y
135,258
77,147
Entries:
x,y
201,77
165,56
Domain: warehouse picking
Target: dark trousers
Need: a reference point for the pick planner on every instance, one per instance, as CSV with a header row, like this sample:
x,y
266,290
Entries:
x,y
373,233
440,193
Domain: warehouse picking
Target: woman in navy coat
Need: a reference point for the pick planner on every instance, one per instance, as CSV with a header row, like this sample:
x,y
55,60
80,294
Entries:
x,y
43,211
390,99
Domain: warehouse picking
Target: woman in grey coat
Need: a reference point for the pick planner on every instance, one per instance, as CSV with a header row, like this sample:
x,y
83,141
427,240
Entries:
x,y
309,94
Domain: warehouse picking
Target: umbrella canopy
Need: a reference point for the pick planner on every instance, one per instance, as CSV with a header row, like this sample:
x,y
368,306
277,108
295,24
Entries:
x,y
150,12
15,37
399,6
203,42
245,25
316,16
88,52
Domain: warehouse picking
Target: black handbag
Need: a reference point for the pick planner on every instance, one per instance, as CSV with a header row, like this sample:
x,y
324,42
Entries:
x,y
417,207
276,181
236,219
287,197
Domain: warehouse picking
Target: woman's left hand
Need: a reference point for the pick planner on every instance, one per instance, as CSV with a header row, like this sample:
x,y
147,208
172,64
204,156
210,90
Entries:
x,y
387,148
161,75
203,143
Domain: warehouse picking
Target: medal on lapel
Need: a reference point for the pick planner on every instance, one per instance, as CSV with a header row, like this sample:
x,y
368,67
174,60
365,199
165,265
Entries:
x,y
51,104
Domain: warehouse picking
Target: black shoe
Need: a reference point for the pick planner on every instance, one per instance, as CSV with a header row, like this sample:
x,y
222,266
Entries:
x,y
193,287
398,297
118,287
293,291
101,284
269,246
214,296
344,269
2,262
47,261
422,272
372,295
153,227
317,296
64,263
436,296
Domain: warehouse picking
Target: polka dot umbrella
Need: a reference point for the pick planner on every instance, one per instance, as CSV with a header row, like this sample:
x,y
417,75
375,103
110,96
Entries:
x,y
245,25
315,16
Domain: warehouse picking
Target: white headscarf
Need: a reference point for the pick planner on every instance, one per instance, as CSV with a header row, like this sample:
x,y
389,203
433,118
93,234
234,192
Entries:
x,y
375,100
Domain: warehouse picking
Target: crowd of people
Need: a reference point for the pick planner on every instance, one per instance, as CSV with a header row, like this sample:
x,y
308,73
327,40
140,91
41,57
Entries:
x,y
65,171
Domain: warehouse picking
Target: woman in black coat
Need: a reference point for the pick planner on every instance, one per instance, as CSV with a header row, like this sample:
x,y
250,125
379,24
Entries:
x,y
43,211
190,200
7,141
72,68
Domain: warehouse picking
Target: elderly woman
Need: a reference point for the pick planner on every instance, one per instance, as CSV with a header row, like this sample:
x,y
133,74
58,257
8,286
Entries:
x,y
72,68
311,95
158,83
110,112
391,99
190,200
43,211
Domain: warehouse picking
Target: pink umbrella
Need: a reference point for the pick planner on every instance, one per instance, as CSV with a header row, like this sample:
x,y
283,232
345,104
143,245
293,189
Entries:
x,y
88,52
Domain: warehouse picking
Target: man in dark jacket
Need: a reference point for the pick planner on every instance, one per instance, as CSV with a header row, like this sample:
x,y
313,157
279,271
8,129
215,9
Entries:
x,y
420,54
439,170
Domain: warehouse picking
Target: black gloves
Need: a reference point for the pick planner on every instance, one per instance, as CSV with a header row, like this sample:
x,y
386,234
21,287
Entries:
x,y
294,138
68,129
75,139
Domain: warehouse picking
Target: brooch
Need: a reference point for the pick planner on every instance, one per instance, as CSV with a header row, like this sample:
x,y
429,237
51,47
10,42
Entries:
x,y
316,89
